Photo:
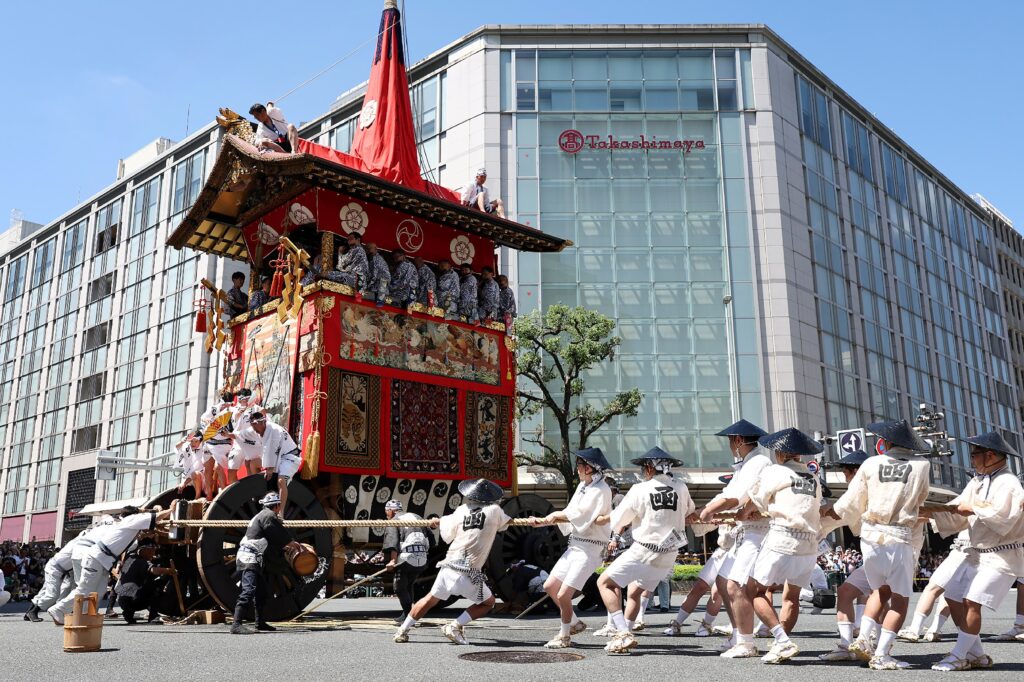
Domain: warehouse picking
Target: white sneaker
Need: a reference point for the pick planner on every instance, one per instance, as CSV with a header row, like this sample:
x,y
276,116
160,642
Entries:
x,y
887,662
56,614
639,626
908,635
951,663
702,630
862,649
763,632
454,632
674,629
1010,635
781,652
577,628
559,642
606,631
740,651
401,637
840,654
622,643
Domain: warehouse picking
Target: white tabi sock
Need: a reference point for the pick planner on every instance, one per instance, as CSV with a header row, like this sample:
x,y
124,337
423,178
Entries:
x,y
885,640
963,645
779,633
408,624
463,618
867,628
744,639
575,619
619,622
734,638
610,622
845,633
563,629
709,620
858,612
682,616
976,649
644,601
937,622
630,624
917,622
1019,620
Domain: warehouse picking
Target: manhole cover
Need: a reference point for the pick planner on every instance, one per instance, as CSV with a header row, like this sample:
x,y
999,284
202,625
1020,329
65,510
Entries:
x,y
520,657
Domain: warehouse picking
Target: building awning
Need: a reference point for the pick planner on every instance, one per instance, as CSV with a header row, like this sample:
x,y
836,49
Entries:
x,y
246,184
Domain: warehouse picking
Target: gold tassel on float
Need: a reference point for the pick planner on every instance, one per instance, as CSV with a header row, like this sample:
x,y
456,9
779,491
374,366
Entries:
x,y
210,334
311,456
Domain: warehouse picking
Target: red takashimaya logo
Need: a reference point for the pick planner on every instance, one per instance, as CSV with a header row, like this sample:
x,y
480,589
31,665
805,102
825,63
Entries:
x,y
572,141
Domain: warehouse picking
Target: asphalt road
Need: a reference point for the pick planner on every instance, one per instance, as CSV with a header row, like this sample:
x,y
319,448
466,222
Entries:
x,y
351,639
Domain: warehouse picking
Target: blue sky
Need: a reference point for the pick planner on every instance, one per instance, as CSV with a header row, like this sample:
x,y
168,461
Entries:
x,y
90,82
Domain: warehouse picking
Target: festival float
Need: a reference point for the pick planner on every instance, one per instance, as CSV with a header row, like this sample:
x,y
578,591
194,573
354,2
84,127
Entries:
x,y
385,402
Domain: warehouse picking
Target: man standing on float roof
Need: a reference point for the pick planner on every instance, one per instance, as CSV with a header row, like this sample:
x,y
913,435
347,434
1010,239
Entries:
x,y
657,509
887,493
734,572
992,504
587,540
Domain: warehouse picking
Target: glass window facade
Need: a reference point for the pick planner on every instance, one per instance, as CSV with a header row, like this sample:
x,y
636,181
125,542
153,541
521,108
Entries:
x,y
661,234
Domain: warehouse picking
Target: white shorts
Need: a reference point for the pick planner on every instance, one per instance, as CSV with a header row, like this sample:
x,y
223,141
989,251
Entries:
x,y
980,584
577,564
288,464
450,582
890,564
712,566
218,453
641,566
241,454
775,568
945,571
857,579
739,562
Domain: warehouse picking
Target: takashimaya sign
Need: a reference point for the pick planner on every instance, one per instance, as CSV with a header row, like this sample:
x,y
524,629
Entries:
x,y
572,141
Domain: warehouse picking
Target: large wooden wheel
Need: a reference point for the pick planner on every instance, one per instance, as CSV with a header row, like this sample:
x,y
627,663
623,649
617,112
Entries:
x,y
287,593
538,546
194,594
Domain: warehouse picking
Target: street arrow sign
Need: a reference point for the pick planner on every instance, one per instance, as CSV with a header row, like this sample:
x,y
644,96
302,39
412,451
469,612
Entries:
x,y
850,441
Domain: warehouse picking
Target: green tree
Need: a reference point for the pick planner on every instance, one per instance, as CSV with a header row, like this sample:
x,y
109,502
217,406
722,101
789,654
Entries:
x,y
555,349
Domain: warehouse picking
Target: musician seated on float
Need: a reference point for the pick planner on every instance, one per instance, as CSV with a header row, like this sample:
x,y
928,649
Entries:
x,y
274,133
261,296
478,196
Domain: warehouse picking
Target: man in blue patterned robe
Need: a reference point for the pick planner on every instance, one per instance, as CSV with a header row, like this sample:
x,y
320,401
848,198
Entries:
x,y
353,264
427,282
404,280
468,294
488,306
448,290
379,278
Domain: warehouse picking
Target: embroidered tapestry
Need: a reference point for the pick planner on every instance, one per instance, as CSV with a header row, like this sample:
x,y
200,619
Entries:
x,y
352,428
487,435
424,428
396,341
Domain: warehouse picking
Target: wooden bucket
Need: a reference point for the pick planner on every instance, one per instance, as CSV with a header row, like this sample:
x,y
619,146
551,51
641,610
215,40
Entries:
x,y
83,627
303,560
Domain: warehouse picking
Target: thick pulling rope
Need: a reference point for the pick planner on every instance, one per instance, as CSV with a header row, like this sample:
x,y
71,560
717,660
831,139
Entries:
x,y
351,587
314,523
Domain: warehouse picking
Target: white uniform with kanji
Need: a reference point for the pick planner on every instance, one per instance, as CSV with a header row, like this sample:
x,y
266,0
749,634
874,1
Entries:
x,y
657,510
280,451
94,554
996,531
587,540
218,447
887,493
470,531
247,445
791,497
739,560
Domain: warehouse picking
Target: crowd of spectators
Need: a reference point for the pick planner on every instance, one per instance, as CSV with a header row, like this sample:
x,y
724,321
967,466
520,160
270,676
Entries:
x,y
21,565
840,560
927,564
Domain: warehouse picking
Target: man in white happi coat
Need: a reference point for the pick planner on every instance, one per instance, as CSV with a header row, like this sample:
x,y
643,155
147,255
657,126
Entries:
x,y
469,531
95,553
216,448
887,493
587,541
656,509
734,572
790,495
58,574
280,454
246,445
992,503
